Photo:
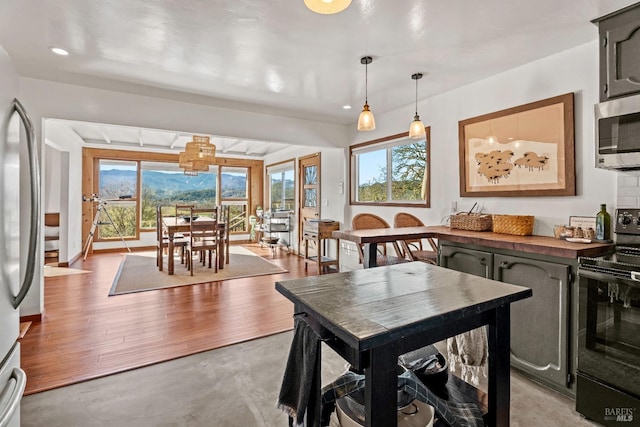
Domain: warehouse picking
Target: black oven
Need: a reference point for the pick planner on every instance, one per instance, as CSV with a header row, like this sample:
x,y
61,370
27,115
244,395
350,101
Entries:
x,y
608,377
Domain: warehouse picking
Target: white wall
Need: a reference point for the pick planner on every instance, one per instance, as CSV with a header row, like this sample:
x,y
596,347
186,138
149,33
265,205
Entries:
x,y
51,176
574,70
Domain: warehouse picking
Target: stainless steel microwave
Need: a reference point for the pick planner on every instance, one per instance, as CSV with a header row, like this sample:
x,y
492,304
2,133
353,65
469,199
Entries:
x,y
618,133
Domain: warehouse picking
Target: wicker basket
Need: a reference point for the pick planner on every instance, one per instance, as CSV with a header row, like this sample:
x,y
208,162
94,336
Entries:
x,y
518,225
472,222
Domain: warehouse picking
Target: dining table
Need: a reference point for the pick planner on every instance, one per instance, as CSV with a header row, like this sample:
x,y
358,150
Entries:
x,y
175,225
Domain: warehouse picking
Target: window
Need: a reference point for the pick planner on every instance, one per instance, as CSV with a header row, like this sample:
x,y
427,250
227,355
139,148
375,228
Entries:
x,y
281,179
165,184
132,183
391,171
234,192
117,197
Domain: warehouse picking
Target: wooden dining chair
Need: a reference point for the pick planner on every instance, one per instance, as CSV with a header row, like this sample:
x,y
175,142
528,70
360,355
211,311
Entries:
x,y
414,249
365,221
203,237
184,210
162,241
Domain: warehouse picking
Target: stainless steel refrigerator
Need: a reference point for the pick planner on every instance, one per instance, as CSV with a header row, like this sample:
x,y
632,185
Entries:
x,y
17,148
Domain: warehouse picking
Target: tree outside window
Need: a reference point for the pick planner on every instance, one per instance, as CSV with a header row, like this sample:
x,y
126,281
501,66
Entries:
x,y
390,172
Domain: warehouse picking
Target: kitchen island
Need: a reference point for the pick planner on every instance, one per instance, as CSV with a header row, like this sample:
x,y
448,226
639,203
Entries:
x,y
372,316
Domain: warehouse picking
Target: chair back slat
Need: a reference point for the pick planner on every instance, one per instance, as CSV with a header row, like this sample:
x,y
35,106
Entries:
x,y
412,248
366,221
203,236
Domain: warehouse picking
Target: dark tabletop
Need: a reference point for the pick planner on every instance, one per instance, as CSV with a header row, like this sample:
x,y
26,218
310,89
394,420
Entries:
x,y
370,307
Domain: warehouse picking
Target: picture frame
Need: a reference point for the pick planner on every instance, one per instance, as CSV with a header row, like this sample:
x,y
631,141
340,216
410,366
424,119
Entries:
x,y
524,151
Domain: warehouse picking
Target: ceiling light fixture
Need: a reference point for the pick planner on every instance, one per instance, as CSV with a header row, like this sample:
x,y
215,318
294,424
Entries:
x,y
59,51
366,121
327,7
197,156
416,130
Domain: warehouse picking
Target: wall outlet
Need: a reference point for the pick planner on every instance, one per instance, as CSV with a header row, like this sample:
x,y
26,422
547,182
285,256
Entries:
x,y
454,207
325,202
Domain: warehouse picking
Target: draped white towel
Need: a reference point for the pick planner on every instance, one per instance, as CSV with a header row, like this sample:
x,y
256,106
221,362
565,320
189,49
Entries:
x,y
469,350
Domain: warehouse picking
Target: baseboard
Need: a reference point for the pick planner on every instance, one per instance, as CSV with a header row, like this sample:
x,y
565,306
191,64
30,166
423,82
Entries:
x,y
31,318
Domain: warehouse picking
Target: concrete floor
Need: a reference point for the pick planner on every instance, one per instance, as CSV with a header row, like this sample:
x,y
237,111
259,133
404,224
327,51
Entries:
x,y
232,386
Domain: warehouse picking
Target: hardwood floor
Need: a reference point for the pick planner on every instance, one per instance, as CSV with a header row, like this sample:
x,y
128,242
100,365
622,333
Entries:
x,y
86,334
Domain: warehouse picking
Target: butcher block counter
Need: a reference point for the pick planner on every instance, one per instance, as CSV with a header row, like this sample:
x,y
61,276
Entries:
x,y
543,245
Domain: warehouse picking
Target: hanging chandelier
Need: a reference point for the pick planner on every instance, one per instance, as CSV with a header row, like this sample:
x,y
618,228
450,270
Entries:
x,y
197,156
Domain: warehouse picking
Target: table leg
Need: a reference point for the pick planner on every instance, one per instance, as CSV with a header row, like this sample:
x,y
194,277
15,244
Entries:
x,y
370,255
499,379
221,248
320,250
380,392
170,249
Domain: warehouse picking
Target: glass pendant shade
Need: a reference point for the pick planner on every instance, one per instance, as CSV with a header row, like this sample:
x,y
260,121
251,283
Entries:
x,y
327,7
416,130
366,121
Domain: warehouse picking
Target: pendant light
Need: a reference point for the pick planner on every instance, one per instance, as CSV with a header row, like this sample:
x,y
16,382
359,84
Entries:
x,y
416,130
366,121
327,7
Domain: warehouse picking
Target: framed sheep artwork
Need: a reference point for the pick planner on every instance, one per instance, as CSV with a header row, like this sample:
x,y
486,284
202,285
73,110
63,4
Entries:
x,y
521,151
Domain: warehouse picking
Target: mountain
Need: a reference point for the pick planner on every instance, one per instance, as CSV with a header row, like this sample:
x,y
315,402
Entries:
x,y
115,183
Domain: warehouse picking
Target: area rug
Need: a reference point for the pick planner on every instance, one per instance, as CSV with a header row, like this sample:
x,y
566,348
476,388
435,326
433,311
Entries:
x,y
138,272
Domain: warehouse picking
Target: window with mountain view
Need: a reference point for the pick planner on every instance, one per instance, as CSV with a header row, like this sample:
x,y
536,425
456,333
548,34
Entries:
x,y
234,192
165,184
118,199
281,186
392,171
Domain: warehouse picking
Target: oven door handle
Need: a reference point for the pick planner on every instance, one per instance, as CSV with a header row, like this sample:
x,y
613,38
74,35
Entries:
x,y
635,275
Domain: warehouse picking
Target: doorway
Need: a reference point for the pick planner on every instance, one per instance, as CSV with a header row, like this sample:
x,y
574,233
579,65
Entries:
x,y
309,193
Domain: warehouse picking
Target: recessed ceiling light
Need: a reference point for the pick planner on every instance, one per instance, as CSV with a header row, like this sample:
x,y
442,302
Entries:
x,y
346,107
59,51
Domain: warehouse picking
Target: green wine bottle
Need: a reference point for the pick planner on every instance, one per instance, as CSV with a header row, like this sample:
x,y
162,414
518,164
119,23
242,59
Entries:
x,y
603,224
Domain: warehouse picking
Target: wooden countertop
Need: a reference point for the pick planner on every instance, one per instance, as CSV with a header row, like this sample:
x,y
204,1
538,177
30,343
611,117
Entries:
x,y
544,245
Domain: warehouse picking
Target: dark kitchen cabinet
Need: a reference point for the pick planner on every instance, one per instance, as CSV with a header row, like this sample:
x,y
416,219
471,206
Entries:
x,y
619,52
541,326
472,261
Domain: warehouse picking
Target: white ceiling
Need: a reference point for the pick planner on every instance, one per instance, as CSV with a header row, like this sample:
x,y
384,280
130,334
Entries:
x,y
277,56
